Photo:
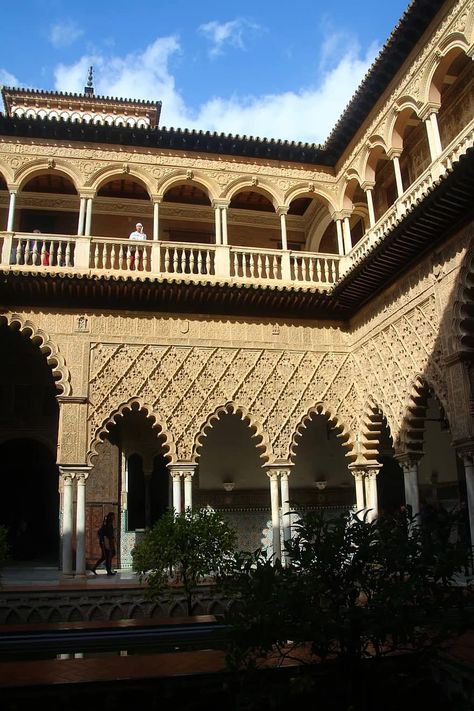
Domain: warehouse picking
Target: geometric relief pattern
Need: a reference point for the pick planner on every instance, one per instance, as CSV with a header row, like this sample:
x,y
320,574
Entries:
x,y
184,385
387,364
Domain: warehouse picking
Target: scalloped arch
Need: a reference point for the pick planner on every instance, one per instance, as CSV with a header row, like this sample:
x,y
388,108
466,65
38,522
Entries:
x,y
463,306
321,409
294,192
137,405
262,187
178,177
47,347
97,179
40,165
371,426
232,408
412,431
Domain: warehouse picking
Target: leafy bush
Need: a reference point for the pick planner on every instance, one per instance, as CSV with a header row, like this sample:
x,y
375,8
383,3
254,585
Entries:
x,y
184,548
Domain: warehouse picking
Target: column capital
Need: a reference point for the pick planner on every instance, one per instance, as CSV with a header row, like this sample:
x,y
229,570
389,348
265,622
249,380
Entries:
x,y
278,470
282,210
342,214
87,193
430,108
74,471
156,198
365,470
367,185
13,188
184,470
219,202
407,460
394,152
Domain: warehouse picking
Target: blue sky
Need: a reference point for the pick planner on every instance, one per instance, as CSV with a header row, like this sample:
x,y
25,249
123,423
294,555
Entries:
x,y
263,68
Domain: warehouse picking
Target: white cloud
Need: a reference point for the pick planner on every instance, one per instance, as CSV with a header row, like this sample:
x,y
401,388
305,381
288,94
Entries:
x,y
8,79
226,33
65,33
305,114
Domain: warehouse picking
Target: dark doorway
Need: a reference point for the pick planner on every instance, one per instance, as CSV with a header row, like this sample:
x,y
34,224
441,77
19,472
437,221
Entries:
x,y
29,505
159,488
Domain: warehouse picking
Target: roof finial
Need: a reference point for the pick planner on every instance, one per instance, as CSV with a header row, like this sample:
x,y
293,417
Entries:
x,y
89,89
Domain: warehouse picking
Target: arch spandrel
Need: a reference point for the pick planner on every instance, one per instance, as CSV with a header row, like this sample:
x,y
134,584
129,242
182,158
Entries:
x,y
6,172
232,408
97,435
55,360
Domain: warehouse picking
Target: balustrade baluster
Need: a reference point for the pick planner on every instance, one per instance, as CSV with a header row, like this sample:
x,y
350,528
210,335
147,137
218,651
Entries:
x,y
67,255
146,258
318,269
251,266
167,259
208,262
175,260
191,260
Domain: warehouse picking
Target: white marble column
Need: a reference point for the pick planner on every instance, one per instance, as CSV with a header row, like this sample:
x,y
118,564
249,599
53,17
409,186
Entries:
x,y
398,173
81,478
67,522
11,211
273,476
225,239
282,212
340,240
156,220
370,204
410,480
347,235
82,213
285,509
434,138
188,490
217,211
176,476
87,231
360,492
371,496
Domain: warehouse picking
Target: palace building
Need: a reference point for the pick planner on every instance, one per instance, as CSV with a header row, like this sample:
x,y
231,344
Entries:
x,y
296,330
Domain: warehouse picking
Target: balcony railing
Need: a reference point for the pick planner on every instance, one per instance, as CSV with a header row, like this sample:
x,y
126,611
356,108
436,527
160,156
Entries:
x,y
207,262
26,251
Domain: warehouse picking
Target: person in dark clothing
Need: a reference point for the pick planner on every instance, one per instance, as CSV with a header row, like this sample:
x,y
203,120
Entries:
x,y
106,534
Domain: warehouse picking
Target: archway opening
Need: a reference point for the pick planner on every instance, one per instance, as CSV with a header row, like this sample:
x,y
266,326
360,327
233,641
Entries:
x,y
390,485
44,189
121,202
193,222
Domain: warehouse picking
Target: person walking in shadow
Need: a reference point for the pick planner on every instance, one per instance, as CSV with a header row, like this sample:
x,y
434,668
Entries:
x,y
106,534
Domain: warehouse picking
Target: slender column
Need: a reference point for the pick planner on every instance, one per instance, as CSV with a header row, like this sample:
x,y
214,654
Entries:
x,y
371,497
147,477
282,211
66,533
176,476
188,490
340,241
273,476
156,220
11,211
285,510
82,212
370,205
217,211
347,235
410,479
432,132
224,225
81,478
468,460
398,174
360,495
88,217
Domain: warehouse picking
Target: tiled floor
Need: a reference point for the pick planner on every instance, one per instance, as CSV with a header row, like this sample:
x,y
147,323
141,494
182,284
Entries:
x,y
40,575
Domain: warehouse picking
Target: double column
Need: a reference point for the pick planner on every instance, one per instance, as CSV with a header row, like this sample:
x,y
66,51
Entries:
x,y
278,476
220,210
73,476
182,479
343,227
365,477
85,214
409,465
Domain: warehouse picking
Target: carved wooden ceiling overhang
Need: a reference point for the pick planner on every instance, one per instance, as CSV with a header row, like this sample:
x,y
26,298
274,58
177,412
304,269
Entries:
x,y
444,209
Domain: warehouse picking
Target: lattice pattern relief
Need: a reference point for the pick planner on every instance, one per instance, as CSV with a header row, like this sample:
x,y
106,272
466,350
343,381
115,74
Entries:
x,y
184,386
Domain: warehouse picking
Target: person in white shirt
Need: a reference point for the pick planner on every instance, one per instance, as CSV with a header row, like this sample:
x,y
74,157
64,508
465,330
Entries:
x,y
137,235
138,232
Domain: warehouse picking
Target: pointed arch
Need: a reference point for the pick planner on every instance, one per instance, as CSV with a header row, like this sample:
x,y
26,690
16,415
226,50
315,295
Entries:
x,y
48,348
343,433
134,404
232,408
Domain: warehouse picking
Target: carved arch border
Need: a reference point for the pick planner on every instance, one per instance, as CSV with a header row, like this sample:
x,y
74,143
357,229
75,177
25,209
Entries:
x,y
99,177
54,359
40,165
233,408
411,434
136,404
348,439
195,177
463,305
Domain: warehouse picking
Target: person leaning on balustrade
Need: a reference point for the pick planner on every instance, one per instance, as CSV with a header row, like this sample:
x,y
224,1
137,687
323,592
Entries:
x,y
137,235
